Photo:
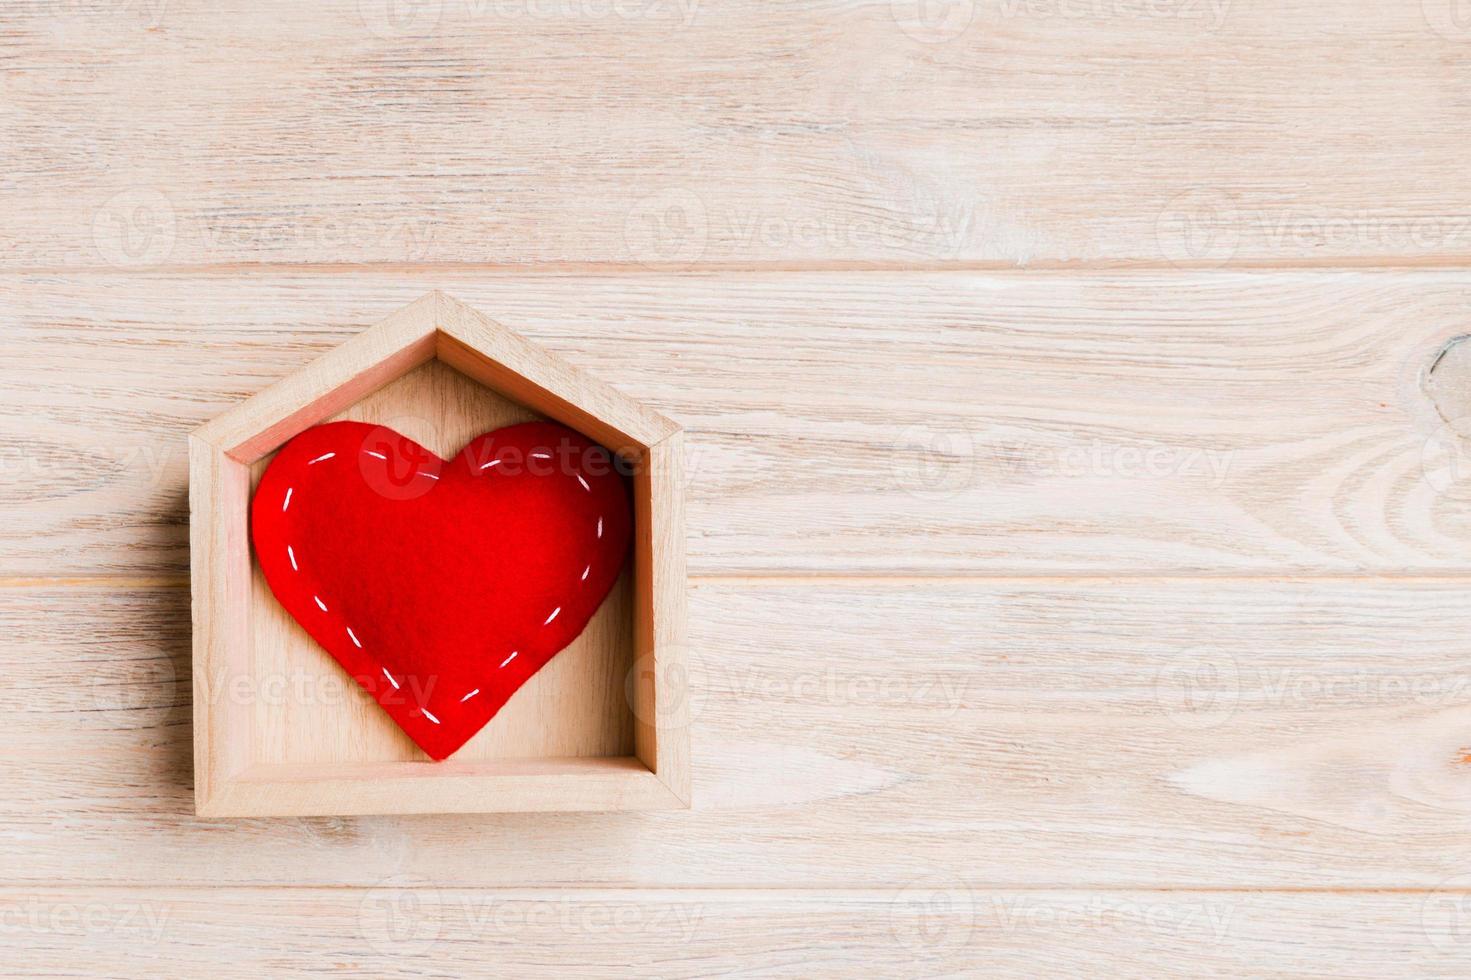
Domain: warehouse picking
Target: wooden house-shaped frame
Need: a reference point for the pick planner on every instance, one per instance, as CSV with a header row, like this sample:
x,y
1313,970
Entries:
x,y
279,729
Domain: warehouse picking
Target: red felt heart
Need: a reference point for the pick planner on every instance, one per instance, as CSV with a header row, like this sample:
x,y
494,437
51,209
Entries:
x,y
441,586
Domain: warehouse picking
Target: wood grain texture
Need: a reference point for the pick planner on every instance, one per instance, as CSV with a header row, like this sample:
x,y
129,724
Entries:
x,y
402,928
220,590
1196,422
330,384
658,686
1246,734
501,359
999,456
673,132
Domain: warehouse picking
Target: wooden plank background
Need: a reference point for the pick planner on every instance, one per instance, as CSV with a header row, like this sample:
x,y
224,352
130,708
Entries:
x,y
1080,495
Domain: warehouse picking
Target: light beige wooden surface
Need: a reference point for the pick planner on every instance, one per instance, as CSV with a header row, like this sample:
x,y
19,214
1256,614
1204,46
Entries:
x,y
675,132
1114,733
884,422
928,928
1079,500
